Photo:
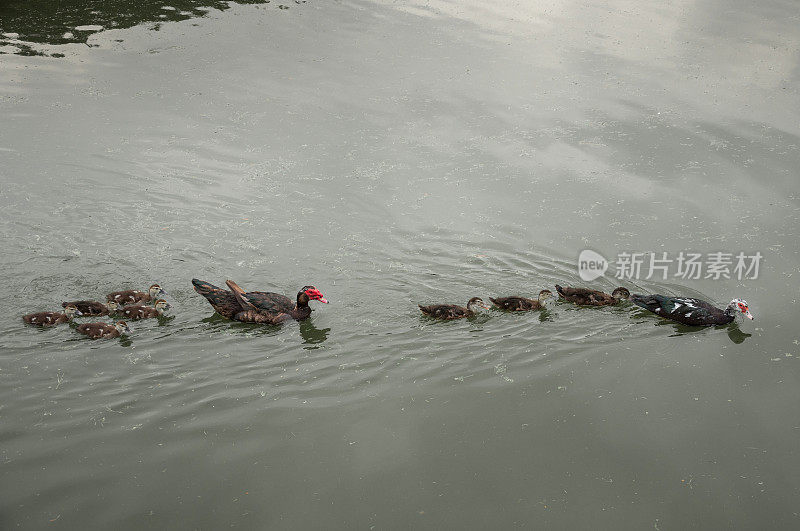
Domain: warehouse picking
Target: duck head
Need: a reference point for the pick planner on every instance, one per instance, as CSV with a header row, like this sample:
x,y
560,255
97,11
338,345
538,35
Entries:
x,y
156,291
161,305
312,294
621,293
122,326
476,301
544,295
739,305
70,310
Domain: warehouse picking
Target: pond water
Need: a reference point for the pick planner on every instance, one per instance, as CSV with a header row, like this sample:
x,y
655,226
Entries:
x,y
396,153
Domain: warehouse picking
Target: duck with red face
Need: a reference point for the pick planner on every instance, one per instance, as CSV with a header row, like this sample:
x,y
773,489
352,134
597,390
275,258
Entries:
x,y
694,312
258,306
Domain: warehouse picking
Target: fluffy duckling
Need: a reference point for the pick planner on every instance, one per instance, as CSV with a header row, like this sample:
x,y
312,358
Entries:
x,y
133,296
140,311
93,308
104,330
52,318
521,304
452,311
591,297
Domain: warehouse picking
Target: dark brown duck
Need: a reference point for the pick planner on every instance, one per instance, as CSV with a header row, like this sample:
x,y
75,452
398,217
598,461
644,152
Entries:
x,y
141,311
521,304
452,311
592,297
133,296
93,308
257,306
52,318
103,330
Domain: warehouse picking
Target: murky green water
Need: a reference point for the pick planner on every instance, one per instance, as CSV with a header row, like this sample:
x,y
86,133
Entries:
x,y
394,154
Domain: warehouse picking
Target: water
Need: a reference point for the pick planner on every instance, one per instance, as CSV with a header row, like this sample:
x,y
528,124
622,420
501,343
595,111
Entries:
x,y
394,154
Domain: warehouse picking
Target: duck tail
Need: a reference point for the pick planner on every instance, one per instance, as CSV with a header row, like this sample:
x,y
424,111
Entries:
x,y
222,300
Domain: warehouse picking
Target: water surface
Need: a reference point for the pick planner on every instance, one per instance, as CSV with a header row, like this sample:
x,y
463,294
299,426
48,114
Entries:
x,y
394,154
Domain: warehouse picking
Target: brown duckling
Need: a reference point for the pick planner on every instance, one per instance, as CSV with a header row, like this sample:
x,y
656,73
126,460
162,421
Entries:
x,y
521,304
591,297
52,318
452,311
104,330
93,308
140,311
133,296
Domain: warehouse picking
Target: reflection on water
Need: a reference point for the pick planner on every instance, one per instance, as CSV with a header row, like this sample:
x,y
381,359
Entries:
x,y
24,22
736,334
311,334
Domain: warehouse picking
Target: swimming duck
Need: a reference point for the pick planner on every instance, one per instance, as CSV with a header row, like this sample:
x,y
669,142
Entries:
x,y
591,297
93,308
140,311
692,311
52,318
452,311
104,330
521,304
133,296
257,306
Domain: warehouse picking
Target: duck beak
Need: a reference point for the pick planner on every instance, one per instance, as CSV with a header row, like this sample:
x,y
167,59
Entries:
x,y
748,315
78,312
323,300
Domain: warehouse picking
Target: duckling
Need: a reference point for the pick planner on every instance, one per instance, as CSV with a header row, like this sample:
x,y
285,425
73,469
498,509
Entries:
x,y
140,311
52,318
452,311
521,304
104,330
591,297
133,296
93,308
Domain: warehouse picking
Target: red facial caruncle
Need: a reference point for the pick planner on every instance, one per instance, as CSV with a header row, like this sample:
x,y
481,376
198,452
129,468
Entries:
x,y
316,295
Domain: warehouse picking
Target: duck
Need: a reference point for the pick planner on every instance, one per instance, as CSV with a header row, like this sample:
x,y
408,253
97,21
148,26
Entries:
x,y
258,306
132,296
103,330
689,311
52,318
592,297
141,311
452,311
93,308
521,304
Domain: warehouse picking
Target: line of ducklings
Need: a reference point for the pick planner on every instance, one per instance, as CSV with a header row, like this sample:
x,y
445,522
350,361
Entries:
x,y
129,304
685,310
581,296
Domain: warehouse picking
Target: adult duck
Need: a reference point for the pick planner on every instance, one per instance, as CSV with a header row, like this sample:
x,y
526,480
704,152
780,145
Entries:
x,y
452,311
592,297
132,296
103,330
141,311
93,308
52,318
257,306
691,311
521,304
